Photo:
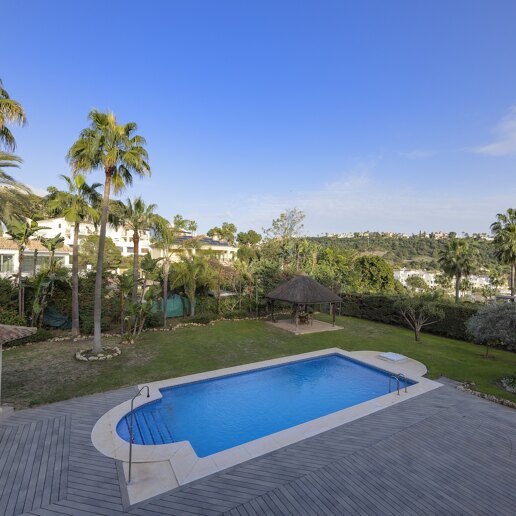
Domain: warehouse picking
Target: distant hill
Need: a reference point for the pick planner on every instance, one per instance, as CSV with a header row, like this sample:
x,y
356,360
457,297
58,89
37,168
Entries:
x,y
419,252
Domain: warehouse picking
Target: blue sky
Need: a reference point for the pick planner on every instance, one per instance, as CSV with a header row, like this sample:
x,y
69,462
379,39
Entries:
x,y
394,116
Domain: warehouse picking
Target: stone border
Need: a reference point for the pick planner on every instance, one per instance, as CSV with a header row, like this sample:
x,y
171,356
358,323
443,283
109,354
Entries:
x,y
81,355
159,468
466,387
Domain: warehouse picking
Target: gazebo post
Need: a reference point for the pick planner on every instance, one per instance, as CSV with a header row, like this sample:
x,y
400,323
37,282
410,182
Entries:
x,y
272,311
333,312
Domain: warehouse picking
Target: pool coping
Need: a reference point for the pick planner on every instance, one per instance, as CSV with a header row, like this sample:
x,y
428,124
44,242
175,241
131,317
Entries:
x,y
159,468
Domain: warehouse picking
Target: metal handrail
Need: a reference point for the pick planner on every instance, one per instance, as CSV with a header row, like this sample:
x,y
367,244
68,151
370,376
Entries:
x,y
131,429
401,376
398,377
397,382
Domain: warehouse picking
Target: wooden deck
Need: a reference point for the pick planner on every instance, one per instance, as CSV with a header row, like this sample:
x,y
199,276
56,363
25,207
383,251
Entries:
x,y
444,452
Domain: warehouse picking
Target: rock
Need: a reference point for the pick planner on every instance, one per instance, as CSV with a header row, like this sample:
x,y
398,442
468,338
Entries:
x,y
92,358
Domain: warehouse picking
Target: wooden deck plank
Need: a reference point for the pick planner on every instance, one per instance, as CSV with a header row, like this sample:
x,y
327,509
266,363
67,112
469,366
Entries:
x,y
440,453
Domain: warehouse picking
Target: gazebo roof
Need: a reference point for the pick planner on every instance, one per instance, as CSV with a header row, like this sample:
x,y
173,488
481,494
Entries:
x,y
9,333
303,290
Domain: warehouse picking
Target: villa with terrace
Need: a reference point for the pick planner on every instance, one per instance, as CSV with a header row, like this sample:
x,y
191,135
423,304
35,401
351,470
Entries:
x,y
36,256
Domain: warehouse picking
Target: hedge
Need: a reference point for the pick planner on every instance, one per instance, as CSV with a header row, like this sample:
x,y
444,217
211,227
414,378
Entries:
x,y
382,308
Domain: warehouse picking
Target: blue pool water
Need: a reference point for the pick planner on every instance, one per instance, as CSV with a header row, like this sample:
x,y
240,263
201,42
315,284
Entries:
x,y
224,412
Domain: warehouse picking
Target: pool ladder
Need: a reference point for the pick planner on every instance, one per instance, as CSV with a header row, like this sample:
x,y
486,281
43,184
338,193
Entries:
x,y
400,377
131,428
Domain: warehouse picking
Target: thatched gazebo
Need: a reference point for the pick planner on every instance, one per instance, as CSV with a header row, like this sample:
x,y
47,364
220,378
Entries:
x,y
302,291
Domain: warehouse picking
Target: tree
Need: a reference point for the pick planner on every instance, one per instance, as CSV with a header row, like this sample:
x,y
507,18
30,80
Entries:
x,y
191,273
376,275
79,204
417,283
137,217
89,250
284,229
457,260
15,204
52,245
250,238
149,293
504,230
494,325
248,245
418,312
125,287
21,233
226,233
165,238
120,153
443,281
11,113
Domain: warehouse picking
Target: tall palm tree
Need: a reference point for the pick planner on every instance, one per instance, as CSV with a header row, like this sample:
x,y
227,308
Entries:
x,y
137,217
15,204
21,233
120,153
78,205
504,230
191,273
11,113
458,260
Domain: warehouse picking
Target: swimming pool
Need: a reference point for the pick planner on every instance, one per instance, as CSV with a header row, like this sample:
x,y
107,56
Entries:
x,y
220,413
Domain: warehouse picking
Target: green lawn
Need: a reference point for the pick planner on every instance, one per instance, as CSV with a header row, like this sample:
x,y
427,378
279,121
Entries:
x,y
47,372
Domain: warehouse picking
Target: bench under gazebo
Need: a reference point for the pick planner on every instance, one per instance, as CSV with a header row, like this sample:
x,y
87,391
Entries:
x,y
303,292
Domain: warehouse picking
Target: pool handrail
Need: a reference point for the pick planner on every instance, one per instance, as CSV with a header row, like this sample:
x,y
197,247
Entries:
x,y
131,428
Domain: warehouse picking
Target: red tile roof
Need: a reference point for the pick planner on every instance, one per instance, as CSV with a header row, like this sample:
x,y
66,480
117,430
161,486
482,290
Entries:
x,y
9,243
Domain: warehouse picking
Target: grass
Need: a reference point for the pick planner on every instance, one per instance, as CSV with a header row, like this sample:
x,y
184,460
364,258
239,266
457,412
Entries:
x,y
47,372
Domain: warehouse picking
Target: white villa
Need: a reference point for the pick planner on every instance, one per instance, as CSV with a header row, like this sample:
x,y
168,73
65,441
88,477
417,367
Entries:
x,y
477,281
36,256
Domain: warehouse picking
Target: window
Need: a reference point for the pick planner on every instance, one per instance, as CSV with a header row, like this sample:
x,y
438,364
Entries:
x,y
28,263
6,263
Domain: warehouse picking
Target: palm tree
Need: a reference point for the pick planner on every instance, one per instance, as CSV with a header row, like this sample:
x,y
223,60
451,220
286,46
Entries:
x,y
504,230
164,239
79,204
120,153
125,287
9,160
137,217
21,232
191,273
52,245
11,113
14,204
457,260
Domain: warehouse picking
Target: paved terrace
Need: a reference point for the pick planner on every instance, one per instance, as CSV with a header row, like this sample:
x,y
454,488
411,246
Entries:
x,y
444,452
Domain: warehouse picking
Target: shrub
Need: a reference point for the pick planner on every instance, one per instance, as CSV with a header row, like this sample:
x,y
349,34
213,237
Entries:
x,y
494,325
383,309
8,316
8,294
110,303
202,319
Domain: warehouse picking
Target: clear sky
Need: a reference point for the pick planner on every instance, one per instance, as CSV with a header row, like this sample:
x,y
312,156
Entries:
x,y
384,115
